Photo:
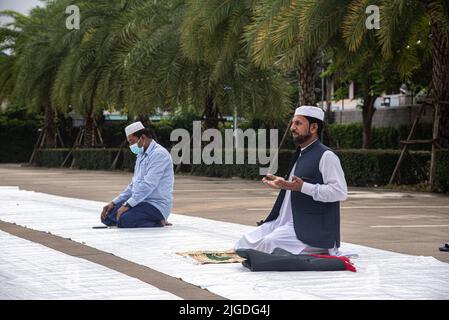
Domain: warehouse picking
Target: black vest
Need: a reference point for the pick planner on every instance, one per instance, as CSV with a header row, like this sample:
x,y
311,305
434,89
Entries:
x,y
316,223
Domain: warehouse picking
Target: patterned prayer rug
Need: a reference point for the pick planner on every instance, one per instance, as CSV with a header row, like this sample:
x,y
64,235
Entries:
x,y
204,257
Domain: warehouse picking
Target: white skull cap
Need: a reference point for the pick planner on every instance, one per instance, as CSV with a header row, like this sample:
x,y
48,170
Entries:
x,y
134,127
310,111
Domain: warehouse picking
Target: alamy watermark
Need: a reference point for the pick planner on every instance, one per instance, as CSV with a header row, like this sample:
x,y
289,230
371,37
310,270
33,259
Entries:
x,y
73,20
373,20
230,149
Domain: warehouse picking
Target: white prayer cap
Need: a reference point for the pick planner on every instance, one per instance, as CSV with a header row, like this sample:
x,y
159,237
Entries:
x,y
310,111
134,127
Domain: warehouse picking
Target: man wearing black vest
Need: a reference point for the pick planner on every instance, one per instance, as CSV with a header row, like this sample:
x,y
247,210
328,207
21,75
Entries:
x,y
305,218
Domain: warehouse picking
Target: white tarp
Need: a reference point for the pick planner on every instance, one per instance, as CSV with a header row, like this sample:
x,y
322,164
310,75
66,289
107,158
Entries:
x,y
34,272
381,274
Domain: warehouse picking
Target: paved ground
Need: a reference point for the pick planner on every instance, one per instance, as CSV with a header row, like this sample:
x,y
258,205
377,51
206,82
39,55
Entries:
x,y
74,249
406,222
32,271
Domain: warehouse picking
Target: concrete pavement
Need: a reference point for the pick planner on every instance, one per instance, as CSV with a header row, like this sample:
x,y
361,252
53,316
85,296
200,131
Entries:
x,y
405,222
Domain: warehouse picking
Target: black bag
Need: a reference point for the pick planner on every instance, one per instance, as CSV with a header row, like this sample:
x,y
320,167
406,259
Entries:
x,y
283,260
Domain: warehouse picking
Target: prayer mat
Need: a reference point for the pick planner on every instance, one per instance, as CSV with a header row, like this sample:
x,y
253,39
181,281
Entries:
x,y
205,257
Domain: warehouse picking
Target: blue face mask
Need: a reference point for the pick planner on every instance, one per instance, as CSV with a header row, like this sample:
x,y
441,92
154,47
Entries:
x,y
135,148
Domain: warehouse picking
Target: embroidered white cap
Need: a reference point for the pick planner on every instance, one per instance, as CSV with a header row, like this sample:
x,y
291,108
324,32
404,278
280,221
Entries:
x,y
134,127
310,111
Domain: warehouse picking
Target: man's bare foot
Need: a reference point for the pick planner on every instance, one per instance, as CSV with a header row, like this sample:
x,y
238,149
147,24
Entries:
x,y
166,223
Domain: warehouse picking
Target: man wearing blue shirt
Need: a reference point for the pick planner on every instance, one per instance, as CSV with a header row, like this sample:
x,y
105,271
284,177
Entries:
x,y
147,201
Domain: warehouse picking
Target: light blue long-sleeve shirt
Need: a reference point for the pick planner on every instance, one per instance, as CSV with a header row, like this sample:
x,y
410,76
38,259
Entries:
x,y
152,181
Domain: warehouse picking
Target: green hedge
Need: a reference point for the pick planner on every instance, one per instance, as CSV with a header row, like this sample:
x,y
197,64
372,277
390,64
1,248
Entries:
x,y
442,171
367,168
349,136
17,141
94,159
364,168
343,136
51,157
18,137
128,160
244,171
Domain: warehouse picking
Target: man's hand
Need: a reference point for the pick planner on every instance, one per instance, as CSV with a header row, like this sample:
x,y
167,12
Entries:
x,y
106,209
273,181
121,211
166,223
280,183
294,185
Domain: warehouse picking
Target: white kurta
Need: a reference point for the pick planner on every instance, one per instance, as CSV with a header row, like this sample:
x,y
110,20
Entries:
x,y
280,233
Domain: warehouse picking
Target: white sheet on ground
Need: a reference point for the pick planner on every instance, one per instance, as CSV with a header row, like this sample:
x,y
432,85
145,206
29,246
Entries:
x,y
381,274
34,272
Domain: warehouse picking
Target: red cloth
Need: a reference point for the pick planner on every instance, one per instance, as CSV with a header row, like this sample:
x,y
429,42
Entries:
x,y
348,264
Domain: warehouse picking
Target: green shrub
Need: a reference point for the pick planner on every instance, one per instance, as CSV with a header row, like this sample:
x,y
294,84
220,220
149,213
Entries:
x,y
163,131
361,167
113,134
50,157
346,136
442,171
94,159
17,140
129,160
367,168
364,168
244,171
350,136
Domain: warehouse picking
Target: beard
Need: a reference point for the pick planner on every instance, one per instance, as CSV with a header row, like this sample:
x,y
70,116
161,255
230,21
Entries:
x,y
300,138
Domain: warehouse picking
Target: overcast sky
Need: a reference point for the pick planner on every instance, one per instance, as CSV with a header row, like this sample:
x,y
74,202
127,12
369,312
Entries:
x,y
22,6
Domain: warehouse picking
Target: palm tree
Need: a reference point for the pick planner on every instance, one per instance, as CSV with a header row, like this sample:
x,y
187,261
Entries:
x,y
341,24
275,41
370,72
212,34
158,75
8,73
30,69
161,74
408,28
126,56
12,38
89,78
9,45
403,18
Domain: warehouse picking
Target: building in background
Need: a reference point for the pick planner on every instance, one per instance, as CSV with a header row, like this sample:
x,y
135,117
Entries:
x,y
403,97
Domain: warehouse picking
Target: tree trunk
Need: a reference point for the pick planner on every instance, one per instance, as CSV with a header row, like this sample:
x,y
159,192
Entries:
x,y
444,127
210,113
49,125
306,79
329,115
89,131
90,126
440,75
367,115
